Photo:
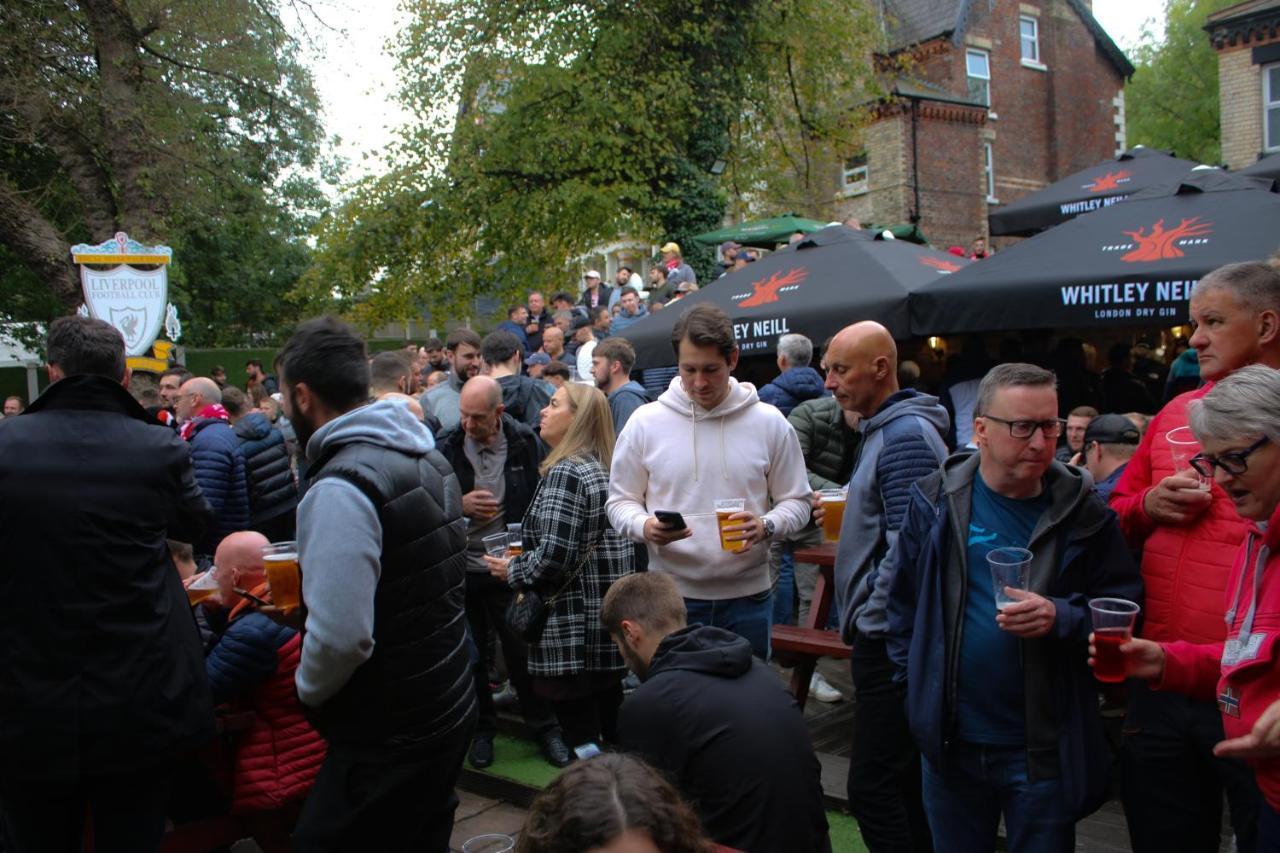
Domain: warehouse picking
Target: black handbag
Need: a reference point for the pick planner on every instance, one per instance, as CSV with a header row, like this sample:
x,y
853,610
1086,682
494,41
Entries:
x,y
527,612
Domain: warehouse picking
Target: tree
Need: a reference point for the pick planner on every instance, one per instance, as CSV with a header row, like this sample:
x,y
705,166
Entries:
x,y
577,123
174,121
1172,101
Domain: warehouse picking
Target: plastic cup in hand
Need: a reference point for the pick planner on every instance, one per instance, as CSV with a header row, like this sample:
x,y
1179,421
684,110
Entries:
x,y
725,508
515,540
489,844
1113,620
833,501
284,575
1010,567
495,544
1183,446
204,586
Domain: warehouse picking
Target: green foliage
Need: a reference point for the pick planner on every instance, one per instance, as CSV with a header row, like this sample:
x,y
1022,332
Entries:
x,y
189,122
1172,101
549,128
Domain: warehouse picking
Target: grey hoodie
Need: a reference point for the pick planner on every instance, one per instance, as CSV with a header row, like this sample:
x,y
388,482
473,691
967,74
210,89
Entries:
x,y
901,443
340,548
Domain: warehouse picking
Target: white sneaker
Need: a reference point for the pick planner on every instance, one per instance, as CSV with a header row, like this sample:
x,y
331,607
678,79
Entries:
x,y
822,691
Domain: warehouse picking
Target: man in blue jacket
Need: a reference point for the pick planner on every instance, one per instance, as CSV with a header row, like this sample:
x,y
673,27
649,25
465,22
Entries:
x,y
797,381
218,459
901,442
1002,702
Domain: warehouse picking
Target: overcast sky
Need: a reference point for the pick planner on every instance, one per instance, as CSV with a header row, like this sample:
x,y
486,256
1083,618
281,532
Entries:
x,y
356,75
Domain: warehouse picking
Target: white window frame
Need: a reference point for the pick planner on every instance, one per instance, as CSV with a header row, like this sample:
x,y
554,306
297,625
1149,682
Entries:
x,y
854,179
1032,61
970,76
989,171
1270,102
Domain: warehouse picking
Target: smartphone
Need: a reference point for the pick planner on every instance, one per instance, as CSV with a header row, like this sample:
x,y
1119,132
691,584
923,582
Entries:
x,y
672,520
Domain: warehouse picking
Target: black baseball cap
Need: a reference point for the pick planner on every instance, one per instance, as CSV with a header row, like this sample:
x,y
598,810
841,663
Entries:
x,y
1112,429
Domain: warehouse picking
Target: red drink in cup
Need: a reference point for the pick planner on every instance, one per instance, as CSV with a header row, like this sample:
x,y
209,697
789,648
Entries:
x,y
1113,620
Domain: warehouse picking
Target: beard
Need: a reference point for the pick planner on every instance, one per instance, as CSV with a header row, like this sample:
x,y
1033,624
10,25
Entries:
x,y
632,659
303,427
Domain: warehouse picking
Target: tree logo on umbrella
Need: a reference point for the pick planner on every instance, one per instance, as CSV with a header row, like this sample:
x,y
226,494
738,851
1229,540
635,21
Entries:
x,y
766,291
942,265
1162,244
1109,182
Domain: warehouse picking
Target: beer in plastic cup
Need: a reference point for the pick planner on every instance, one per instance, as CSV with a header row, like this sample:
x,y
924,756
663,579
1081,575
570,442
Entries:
x,y
204,586
492,843
1183,446
280,562
724,509
515,540
833,501
1113,620
1009,567
495,544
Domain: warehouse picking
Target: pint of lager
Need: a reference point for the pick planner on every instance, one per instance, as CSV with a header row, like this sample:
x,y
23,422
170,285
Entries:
x,y
280,562
724,509
833,501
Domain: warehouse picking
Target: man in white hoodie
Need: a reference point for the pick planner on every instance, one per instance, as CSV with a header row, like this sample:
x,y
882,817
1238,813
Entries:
x,y
708,437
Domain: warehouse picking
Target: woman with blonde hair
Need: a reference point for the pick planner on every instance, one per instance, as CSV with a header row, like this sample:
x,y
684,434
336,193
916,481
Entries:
x,y
570,557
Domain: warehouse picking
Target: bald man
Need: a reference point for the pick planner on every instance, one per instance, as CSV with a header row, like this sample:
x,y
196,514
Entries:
x,y
253,663
496,459
217,456
902,441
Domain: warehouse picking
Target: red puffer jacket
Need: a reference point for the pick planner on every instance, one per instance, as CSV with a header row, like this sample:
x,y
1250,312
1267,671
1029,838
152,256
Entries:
x,y
252,666
1184,569
1247,685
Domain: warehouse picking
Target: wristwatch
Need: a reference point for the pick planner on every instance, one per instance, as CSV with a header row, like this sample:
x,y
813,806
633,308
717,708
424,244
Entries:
x,y
768,527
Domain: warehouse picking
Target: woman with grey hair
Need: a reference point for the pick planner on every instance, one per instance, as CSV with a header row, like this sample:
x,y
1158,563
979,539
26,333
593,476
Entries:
x,y
1238,427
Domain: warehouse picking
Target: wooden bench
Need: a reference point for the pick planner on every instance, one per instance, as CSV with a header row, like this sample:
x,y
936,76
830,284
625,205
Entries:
x,y
801,646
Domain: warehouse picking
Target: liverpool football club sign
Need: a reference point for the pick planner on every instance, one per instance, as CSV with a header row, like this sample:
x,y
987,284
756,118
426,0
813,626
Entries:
x,y
125,283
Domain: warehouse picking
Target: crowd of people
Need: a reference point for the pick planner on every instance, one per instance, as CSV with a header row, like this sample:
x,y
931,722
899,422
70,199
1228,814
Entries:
x,y
514,518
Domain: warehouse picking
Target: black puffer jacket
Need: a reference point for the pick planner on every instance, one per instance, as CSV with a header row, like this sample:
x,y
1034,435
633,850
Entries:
x,y
524,399
271,488
101,667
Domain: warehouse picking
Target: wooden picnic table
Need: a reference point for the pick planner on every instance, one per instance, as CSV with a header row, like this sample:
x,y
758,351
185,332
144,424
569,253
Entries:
x,y
804,644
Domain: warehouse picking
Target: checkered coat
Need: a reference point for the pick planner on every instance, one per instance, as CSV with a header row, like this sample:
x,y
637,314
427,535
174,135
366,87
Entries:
x,y
566,516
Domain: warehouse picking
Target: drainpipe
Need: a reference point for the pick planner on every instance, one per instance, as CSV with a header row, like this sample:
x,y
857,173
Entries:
x,y
915,160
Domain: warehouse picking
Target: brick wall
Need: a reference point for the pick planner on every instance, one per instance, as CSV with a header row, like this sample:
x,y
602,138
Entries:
x,y
1240,97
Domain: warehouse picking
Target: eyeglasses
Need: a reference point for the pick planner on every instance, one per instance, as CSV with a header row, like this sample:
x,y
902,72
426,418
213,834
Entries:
x,y
1025,429
1234,462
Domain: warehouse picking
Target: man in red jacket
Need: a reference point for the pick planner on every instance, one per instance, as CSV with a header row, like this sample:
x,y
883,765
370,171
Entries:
x,y
1171,784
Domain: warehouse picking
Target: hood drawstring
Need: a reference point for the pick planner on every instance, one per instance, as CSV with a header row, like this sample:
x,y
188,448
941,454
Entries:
x,y
724,466
693,413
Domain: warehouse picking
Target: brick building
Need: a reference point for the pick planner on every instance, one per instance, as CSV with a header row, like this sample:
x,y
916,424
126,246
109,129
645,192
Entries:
x,y
1247,39
999,98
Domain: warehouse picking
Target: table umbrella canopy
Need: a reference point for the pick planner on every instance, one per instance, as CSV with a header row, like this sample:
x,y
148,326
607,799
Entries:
x,y
816,287
1132,264
1267,167
764,233
1092,189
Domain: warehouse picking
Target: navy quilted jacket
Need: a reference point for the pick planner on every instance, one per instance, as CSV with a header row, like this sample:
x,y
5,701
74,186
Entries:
x,y
792,387
244,656
271,488
220,471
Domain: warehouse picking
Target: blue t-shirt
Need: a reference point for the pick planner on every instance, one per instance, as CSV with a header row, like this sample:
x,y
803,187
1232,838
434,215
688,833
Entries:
x,y
990,702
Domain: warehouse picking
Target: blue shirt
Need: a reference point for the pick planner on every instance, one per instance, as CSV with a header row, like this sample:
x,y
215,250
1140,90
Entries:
x,y
990,703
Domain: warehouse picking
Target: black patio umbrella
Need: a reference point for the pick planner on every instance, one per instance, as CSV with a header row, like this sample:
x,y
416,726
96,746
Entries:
x,y
1267,167
1131,264
815,287
1092,189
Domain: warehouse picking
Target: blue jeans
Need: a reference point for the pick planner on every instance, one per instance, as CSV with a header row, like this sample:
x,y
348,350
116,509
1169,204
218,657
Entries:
x,y
748,617
784,591
964,804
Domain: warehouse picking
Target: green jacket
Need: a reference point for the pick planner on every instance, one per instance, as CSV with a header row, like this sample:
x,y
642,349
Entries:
x,y
829,445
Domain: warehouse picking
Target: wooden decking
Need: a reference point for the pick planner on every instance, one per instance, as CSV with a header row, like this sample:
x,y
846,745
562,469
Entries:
x,y
831,727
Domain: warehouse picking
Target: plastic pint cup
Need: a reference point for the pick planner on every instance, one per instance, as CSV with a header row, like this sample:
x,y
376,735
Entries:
x,y
833,501
280,562
1113,620
1010,567
725,508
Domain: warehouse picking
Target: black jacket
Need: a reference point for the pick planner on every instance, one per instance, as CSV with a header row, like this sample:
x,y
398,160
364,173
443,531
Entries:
x,y
101,668
719,722
524,455
271,488
416,690
524,399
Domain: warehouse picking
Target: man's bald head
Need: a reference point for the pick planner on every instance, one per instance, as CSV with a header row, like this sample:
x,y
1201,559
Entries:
x,y
480,407
239,563
862,367
194,395
206,388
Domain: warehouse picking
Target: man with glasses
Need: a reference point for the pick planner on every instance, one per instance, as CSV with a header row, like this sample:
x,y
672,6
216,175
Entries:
x,y
1001,701
1171,782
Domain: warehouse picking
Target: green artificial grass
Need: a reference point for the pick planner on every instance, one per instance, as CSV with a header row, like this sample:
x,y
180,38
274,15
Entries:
x,y
522,761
